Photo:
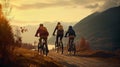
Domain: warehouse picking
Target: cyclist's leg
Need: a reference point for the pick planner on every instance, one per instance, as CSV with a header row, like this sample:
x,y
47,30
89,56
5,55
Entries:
x,y
72,44
69,43
74,48
39,45
46,45
57,43
61,36
57,40
40,40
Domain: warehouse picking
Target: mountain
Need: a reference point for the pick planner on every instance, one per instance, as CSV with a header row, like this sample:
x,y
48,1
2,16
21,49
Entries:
x,y
101,29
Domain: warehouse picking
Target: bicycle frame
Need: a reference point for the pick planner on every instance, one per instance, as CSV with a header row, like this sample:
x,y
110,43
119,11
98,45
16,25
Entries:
x,y
42,47
72,47
59,46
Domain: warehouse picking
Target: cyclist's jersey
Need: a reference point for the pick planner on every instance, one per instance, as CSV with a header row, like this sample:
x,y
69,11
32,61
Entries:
x,y
71,33
42,31
59,29
60,32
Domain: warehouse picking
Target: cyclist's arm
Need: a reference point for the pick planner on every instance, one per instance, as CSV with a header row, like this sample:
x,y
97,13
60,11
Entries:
x,y
37,33
66,34
55,30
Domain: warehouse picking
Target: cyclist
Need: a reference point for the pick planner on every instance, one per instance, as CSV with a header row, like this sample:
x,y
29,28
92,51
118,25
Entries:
x,y
71,34
60,33
43,34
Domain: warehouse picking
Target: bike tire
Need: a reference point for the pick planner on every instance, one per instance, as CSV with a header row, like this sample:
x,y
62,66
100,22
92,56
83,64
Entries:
x,y
45,50
61,47
74,49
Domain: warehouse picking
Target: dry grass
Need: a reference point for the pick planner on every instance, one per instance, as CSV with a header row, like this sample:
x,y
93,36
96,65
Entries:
x,y
29,58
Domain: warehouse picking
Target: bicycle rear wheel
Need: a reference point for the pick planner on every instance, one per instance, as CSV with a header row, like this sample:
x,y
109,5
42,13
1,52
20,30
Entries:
x,y
72,48
61,47
39,48
56,47
45,51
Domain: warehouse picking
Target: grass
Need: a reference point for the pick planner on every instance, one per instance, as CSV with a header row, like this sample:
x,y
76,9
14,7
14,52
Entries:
x,y
29,58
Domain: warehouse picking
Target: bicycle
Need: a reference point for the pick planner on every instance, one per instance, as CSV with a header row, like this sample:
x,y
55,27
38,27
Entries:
x,y
59,46
72,47
42,47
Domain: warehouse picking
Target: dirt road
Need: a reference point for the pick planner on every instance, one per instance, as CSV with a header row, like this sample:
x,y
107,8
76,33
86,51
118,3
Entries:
x,y
78,61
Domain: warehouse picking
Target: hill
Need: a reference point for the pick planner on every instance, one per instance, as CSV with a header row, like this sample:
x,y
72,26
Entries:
x,y
101,29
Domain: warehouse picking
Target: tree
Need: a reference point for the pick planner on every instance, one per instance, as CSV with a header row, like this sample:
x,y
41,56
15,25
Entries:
x,y
6,9
6,38
84,44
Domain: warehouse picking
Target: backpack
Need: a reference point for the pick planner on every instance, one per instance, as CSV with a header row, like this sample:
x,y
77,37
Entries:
x,y
71,32
43,28
44,31
59,27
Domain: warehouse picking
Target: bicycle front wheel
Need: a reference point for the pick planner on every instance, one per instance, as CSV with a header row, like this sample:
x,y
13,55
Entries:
x,y
61,47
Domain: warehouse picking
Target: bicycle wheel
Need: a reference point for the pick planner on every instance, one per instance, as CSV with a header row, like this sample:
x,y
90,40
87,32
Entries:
x,y
61,47
74,49
56,47
45,52
38,47
70,46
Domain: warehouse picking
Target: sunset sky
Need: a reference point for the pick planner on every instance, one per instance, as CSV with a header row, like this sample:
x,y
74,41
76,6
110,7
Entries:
x,y
27,12
34,12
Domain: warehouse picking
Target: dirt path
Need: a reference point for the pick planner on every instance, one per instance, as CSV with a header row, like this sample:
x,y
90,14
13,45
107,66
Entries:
x,y
77,61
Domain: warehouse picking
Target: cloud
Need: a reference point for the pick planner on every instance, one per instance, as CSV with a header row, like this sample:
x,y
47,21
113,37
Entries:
x,y
55,3
89,4
86,2
39,5
92,6
109,4
33,6
24,22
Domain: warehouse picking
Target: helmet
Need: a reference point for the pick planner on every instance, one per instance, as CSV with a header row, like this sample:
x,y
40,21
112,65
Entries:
x,y
70,26
58,22
41,24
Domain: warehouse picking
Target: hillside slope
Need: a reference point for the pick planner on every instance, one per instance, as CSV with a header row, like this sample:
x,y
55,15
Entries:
x,y
101,29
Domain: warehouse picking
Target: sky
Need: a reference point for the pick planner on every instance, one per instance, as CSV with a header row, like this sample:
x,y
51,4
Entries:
x,y
33,12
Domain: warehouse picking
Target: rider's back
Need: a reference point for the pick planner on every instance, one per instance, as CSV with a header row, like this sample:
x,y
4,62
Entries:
x,y
71,32
43,31
60,29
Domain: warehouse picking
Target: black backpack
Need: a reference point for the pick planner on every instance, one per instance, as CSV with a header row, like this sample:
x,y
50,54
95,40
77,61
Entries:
x,y
71,32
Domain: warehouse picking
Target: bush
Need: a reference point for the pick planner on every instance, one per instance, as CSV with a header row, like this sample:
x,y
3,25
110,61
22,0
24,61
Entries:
x,y
6,39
